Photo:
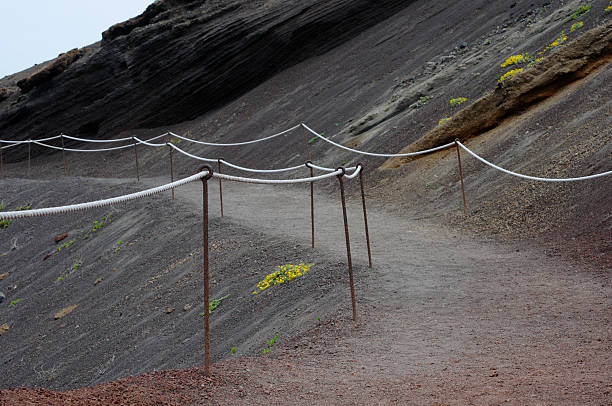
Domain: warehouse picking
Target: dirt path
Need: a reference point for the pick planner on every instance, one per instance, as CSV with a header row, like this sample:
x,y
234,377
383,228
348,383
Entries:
x,y
445,318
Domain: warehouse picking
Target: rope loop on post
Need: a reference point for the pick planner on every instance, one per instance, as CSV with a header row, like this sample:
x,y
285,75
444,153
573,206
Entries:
x,y
343,169
209,174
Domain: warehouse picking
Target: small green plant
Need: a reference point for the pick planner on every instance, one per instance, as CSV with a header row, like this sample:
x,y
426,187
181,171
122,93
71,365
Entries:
x,y
214,304
59,279
233,350
75,267
65,245
582,10
318,319
119,244
269,344
4,223
313,140
14,302
443,120
576,26
609,8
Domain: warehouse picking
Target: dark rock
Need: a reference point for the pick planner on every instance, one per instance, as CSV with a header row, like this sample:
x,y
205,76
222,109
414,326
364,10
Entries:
x,y
2,297
60,237
178,60
463,45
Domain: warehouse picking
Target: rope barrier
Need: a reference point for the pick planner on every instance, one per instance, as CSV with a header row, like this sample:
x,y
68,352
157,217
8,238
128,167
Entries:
x,y
527,176
10,215
426,151
29,141
97,141
233,144
277,181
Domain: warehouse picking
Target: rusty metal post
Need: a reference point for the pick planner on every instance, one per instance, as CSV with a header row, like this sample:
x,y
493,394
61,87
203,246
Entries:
x,y
365,215
171,166
461,176
64,156
136,154
205,255
1,163
312,218
306,141
348,243
220,187
29,156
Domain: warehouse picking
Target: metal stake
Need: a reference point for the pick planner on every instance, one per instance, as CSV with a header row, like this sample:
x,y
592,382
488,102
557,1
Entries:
x,y
312,218
136,154
307,144
1,163
461,176
205,254
171,166
220,187
348,243
29,156
64,156
365,216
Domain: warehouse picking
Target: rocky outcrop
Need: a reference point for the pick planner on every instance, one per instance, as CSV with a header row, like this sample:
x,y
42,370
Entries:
x,y
513,96
178,60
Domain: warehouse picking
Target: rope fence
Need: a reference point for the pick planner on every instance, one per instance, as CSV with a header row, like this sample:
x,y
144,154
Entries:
x,y
207,173
204,175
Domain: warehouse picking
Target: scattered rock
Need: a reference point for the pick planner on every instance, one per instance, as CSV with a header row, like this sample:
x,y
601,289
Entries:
x,y
169,310
4,275
63,325
4,329
2,297
98,281
187,307
47,257
463,45
60,237
65,312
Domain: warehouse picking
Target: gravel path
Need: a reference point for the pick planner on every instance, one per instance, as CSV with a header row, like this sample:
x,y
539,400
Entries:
x,y
466,319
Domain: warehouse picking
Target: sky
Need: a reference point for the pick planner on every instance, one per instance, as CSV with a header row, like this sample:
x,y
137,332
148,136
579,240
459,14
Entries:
x,y
34,31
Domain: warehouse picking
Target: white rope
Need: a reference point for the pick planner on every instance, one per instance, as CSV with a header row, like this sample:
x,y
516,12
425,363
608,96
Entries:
x,y
10,215
242,168
199,158
322,168
276,181
355,173
11,145
531,177
214,144
149,144
96,141
82,150
293,168
104,149
29,141
426,151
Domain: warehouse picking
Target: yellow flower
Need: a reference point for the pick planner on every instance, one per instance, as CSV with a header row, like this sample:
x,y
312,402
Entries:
x,y
284,273
510,74
513,60
457,101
